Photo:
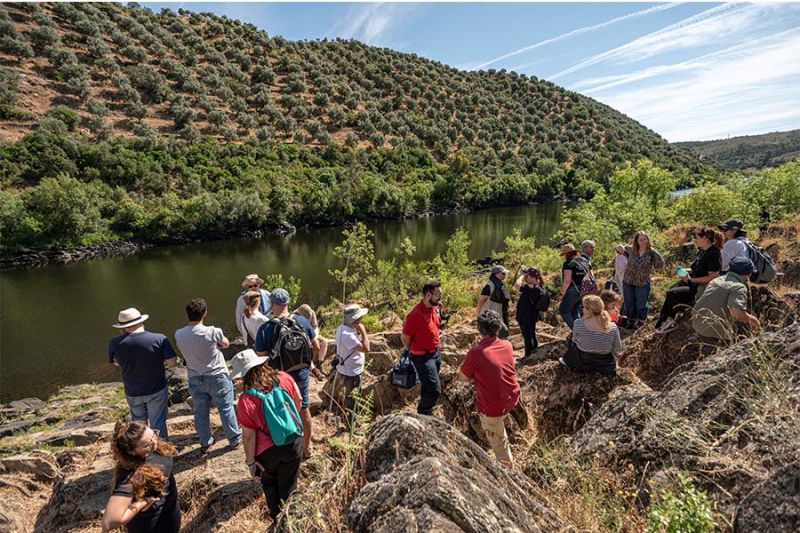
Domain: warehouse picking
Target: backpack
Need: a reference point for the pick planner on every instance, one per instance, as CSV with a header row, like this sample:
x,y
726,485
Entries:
x,y
292,348
281,414
764,264
403,374
588,283
542,303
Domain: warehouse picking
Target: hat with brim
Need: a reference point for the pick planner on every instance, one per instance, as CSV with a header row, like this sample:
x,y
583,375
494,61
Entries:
x,y
567,248
499,269
741,265
250,279
731,224
353,312
129,317
245,361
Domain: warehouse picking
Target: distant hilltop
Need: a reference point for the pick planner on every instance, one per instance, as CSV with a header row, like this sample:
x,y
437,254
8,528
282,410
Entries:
x,y
749,151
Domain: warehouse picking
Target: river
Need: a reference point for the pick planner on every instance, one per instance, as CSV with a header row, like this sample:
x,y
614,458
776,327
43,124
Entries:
x,y
55,322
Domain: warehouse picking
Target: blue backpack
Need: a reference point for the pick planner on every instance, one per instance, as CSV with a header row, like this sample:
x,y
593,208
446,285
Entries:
x,y
281,415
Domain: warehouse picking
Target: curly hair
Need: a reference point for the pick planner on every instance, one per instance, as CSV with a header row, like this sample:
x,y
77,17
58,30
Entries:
x,y
148,482
123,443
261,377
489,323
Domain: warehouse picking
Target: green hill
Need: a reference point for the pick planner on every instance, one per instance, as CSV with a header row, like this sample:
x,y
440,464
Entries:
x,y
749,151
123,107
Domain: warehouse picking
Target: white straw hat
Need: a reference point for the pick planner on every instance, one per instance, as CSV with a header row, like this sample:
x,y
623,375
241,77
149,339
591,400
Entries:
x,y
245,360
130,317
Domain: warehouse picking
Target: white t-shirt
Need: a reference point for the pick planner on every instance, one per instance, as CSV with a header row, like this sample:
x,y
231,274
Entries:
x,y
199,345
620,264
351,361
733,248
253,323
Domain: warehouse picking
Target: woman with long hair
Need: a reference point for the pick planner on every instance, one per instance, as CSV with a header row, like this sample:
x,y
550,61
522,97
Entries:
x,y
530,286
595,340
643,260
276,467
144,496
252,318
705,267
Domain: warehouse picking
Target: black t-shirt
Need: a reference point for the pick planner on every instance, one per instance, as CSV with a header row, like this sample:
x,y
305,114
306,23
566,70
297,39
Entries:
x,y
707,261
526,305
578,268
147,521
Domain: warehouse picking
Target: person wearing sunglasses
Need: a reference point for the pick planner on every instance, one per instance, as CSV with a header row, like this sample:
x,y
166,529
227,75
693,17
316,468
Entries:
x,y
144,495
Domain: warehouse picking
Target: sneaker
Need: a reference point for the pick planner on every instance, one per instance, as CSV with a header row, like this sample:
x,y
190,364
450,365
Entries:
x,y
561,360
668,325
235,444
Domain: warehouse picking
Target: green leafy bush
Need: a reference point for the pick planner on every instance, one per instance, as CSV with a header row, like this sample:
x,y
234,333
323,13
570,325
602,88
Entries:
x,y
682,509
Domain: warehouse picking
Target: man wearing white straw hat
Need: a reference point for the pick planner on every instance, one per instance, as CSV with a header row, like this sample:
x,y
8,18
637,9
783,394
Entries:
x,y
141,355
251,282
352,345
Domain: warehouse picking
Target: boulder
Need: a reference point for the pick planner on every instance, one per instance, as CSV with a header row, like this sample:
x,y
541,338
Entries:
x,y
26,405
729,415
42,465
6,430
178,384
423,475
773,505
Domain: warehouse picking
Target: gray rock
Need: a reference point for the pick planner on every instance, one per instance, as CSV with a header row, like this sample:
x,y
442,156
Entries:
x,y
423,475
6,430
773,505
41,465
27,405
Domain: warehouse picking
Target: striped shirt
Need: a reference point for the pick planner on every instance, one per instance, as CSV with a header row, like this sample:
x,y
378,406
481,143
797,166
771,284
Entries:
x,y
594,341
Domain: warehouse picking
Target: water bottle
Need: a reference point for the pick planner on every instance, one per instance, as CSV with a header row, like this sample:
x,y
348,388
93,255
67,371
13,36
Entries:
x,y
681,272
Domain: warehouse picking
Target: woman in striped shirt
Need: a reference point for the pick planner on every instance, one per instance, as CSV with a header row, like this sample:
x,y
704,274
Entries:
x,y
595,340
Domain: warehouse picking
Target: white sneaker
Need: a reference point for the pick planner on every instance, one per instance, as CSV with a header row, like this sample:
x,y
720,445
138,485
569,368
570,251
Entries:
x,y
668,325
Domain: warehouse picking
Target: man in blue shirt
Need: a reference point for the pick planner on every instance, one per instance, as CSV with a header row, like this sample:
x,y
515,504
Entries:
x,y
265,342
141,356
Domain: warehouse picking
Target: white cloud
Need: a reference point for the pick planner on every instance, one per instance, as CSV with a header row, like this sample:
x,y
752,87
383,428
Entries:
x,y
737,91
579,31
370,23
705,28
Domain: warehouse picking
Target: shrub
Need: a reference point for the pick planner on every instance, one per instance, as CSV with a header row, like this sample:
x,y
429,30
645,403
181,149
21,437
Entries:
x,y
682,509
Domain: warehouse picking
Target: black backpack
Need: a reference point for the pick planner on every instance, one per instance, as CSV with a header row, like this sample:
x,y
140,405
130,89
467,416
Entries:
x,y
292,348
762,262
542,302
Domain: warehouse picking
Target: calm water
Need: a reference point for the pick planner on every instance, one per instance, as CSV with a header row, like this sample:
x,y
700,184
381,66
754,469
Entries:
x,y
55,322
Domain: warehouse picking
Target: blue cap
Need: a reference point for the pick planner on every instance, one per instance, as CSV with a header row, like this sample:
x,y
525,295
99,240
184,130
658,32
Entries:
x,y
741,265
279,297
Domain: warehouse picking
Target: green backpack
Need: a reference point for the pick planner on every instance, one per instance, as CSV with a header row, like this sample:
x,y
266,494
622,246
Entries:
x,y
281,415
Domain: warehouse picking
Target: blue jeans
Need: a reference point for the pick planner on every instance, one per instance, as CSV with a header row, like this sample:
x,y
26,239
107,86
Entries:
x,y
570,308
301,378
152,408
219,388
427,367
636,301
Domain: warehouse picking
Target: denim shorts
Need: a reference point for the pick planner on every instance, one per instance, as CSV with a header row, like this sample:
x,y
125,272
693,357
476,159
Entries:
x,y
301,378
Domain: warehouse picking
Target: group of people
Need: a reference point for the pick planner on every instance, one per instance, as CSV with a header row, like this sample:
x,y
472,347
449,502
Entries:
x,y
272,418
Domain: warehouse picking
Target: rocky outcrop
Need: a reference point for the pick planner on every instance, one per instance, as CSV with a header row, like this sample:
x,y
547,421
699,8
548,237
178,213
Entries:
x,y
423,475
773,505
732,416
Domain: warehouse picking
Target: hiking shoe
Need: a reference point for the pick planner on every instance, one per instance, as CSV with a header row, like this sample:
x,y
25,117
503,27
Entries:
x,y
668,325
235,444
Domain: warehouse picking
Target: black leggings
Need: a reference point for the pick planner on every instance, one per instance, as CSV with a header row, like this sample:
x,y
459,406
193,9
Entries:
x,y
678,297
528,329
279,477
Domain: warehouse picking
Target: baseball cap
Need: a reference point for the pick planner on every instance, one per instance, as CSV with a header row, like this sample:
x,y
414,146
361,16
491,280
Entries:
x,y
279,297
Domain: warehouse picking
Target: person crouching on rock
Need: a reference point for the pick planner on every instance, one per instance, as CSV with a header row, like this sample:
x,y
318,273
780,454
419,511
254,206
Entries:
x,y
144,496
595,340
274,464
490,366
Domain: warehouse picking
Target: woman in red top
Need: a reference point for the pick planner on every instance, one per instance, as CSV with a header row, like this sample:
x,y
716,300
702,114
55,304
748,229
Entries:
x,y
276,467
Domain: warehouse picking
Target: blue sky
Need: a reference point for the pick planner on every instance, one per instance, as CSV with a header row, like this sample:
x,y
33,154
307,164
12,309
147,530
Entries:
x,y
688,71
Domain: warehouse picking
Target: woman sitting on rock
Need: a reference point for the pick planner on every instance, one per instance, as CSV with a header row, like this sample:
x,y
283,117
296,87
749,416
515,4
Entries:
x,y
595,340
275,466
144,497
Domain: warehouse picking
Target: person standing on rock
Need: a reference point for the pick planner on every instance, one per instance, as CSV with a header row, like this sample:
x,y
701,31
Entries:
x,y
294,356
723,304
352,345
490,366
142,355
495,296
572,273
530,286
252,282
209,379
275,466
642,262
252,318
421,337
144,496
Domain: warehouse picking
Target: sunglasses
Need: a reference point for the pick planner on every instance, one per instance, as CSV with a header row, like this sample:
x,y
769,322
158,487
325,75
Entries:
x,y
253,286
154,441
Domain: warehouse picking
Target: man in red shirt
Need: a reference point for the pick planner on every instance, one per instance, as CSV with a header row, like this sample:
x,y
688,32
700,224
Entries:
x,y
421,337
490,366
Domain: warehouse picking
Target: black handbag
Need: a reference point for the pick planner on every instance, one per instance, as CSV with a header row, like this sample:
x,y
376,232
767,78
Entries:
x,y
403,374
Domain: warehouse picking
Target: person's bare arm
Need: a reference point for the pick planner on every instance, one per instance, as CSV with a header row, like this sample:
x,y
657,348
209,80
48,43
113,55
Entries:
x,y
363,346
315,355
743,316
481,300
519,282
406,340
119,511
224,343
567,282
172,361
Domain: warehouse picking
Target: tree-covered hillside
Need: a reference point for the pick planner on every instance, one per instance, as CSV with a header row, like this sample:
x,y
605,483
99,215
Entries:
x,y
141,114
749,151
